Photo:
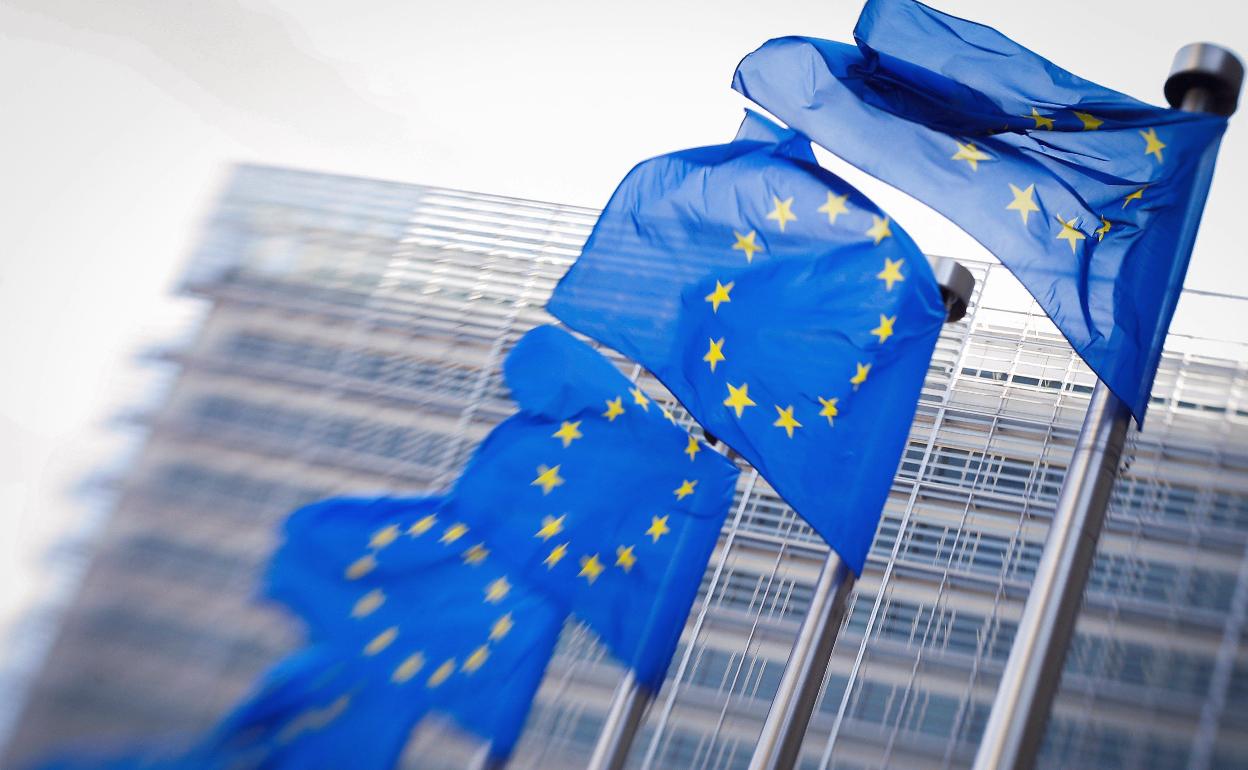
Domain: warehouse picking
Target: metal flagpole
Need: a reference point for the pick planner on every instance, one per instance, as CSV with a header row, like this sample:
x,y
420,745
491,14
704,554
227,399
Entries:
x,y
628,707
1204,78
790,711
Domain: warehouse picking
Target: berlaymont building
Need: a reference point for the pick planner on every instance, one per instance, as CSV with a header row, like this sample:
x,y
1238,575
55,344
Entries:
x,y
351,342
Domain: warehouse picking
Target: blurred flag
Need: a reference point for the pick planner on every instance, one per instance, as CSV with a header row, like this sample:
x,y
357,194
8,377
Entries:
x,y
1088,196
597,498
404,619
791,316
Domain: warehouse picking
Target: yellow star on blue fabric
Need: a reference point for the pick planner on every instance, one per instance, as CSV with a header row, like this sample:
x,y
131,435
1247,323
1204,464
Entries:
x,y
1090,122
1135,196
715,354
685,489
720,295
692,448
1070,232
591,568
658,527
1042,121
835,207
551,526
786,420
569,432
640,399
624,558
547,479
885,329
879,229
829,409
739,398
1024,202
1152,144
746,243
783,212
971,154
891,273
615,408
860,376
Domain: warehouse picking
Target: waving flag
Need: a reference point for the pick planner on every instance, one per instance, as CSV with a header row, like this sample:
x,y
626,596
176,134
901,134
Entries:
x,y
1089,197
597,497
791,317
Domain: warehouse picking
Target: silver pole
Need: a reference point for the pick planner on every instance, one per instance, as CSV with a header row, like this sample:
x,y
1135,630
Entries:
x,y
628,708
781,739
1204,78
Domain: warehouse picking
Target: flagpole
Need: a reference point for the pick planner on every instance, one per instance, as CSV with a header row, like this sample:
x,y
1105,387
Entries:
x,y
1204,78
794,702
628,708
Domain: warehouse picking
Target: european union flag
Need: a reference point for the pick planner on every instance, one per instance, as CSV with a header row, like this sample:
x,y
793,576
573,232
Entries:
x,y
421,619
597,497
405,617
791,317
1089,197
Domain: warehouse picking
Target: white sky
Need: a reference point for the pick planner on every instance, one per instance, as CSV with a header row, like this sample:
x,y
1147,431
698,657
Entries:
x,y
118,120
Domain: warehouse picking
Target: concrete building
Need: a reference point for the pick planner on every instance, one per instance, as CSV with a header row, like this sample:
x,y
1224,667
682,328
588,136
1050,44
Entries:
x,y
353,345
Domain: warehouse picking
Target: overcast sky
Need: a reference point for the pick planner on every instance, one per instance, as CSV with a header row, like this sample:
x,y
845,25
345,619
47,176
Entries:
x,y
120,119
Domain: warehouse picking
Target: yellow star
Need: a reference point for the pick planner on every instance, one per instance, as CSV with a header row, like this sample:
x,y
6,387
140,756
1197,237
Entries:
x,y
615,408
547,479
408,668
368,603
885,329
1103,229
556,555
551,526
568,432
381,641
591,568
441,673
739,398
624,558
692,448
1070,233
422,526
1135,196
384,537
1090,122
891,273
361,567
501,627
746,243
640,399
782,212
835,207
658,527
719,296
715,354
971,154
879,229
1023,201
453,533
786,420
1041,120
1153,145
667,415
861,375
829,408
685,489
476,554
497,590
476,659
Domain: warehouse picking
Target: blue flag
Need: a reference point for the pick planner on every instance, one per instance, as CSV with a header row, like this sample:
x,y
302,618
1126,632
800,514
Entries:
x,y
791,317
1089,197
404,619
599,500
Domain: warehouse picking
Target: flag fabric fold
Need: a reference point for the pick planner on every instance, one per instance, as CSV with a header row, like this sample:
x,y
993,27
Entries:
x,y
1088,196
791,317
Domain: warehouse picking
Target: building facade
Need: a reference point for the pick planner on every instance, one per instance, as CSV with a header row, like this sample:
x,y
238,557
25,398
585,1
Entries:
x,y
353,344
